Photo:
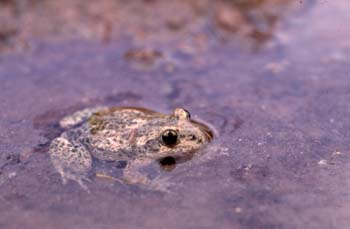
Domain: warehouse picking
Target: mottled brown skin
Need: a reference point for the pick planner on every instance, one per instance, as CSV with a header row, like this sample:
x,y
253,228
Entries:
x,y
123,133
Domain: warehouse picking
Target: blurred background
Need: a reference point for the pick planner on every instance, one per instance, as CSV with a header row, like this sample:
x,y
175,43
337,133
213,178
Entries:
x,y
270,76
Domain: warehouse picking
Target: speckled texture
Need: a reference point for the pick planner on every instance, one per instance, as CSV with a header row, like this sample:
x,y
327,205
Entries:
x,y
280,106
135,135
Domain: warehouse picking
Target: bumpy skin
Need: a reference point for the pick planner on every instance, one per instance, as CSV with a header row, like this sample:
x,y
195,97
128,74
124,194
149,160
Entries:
x,y
123,133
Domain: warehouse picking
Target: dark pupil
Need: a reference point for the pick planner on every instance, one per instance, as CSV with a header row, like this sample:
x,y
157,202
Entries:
x,y
169,137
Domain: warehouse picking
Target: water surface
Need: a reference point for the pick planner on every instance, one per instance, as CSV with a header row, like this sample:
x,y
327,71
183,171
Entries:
x,y
273,81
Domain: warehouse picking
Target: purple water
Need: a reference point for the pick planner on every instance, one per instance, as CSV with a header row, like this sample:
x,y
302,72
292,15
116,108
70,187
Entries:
x,y
280,106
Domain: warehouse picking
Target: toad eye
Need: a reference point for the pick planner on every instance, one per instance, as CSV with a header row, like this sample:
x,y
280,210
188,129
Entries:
x,y
170,137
